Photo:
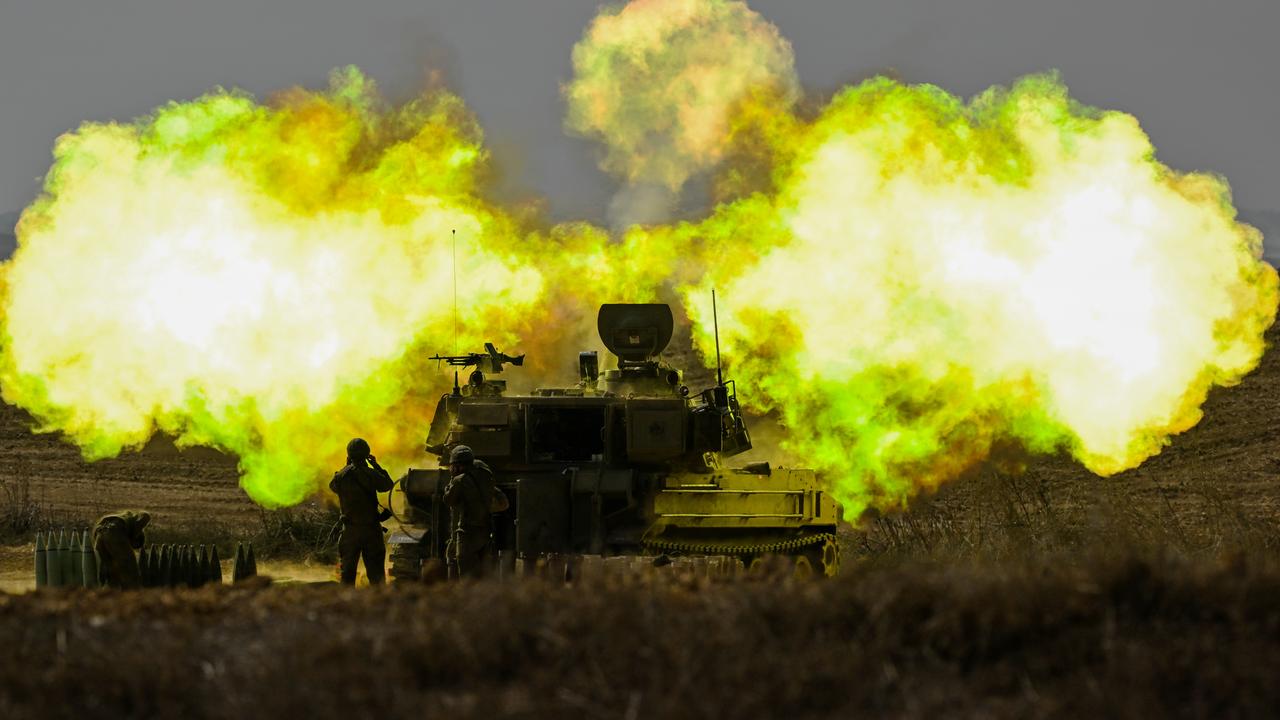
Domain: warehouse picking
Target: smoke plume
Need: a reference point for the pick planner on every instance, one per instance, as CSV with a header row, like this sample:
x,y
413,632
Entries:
x,y
908,279
655,81
261,279
938,277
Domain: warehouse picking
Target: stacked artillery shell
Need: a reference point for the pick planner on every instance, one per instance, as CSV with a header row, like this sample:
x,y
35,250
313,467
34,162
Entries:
x,y
157,565
42,569
72,569
71,573
154,570
65,561
166,566
52,570
53,562
71,562
194,574
144,566
215,567
156,560
180,564
175,566
88,562
246,565
202,567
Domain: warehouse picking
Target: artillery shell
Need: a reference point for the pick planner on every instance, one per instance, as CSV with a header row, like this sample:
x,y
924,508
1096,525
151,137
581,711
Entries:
x,y
250,562
53,562
215,567
194,570
88,562
42,570
166,566
202,566
144,566
71,561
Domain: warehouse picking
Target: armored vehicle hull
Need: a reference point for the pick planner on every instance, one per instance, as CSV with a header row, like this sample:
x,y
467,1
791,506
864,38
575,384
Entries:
x,y
624,463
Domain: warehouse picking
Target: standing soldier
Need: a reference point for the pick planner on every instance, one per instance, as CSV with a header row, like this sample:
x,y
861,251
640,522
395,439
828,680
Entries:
x,y
115,537
357,486
472,499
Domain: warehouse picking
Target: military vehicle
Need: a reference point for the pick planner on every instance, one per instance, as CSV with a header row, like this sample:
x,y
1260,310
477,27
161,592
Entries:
x,y
625,462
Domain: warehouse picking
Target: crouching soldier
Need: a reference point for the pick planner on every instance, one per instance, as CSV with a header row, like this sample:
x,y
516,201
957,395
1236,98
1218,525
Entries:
x,y
357,486
115,538
472,499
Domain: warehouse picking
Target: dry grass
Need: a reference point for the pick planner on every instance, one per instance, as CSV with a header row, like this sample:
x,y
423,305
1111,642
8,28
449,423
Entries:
x,y
23,513
20,513
998,516
306,532
1109,636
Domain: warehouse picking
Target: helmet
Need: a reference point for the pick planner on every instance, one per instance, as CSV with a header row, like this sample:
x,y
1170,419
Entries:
x,y
461,455
357,450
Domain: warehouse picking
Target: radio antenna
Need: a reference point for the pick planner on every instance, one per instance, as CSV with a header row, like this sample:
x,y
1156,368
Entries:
x,y
455,296
715,322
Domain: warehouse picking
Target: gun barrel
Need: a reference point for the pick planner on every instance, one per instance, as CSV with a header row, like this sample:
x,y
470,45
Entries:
x,y
493,358
459,360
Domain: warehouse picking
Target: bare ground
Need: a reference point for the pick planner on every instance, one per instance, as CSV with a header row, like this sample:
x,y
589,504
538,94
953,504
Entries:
x,y
181,486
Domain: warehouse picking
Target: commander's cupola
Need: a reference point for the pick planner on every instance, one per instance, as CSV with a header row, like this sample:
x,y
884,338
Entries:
x,y
637,334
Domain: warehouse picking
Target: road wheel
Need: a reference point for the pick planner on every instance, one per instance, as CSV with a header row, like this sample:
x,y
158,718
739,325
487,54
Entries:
x,y
803,567
824,558
830,558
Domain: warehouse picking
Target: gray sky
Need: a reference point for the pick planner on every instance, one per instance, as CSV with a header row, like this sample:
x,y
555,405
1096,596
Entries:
x,y
1200,75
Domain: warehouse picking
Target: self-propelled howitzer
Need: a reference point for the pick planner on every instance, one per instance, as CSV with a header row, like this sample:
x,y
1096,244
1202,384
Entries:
x,y
625,462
